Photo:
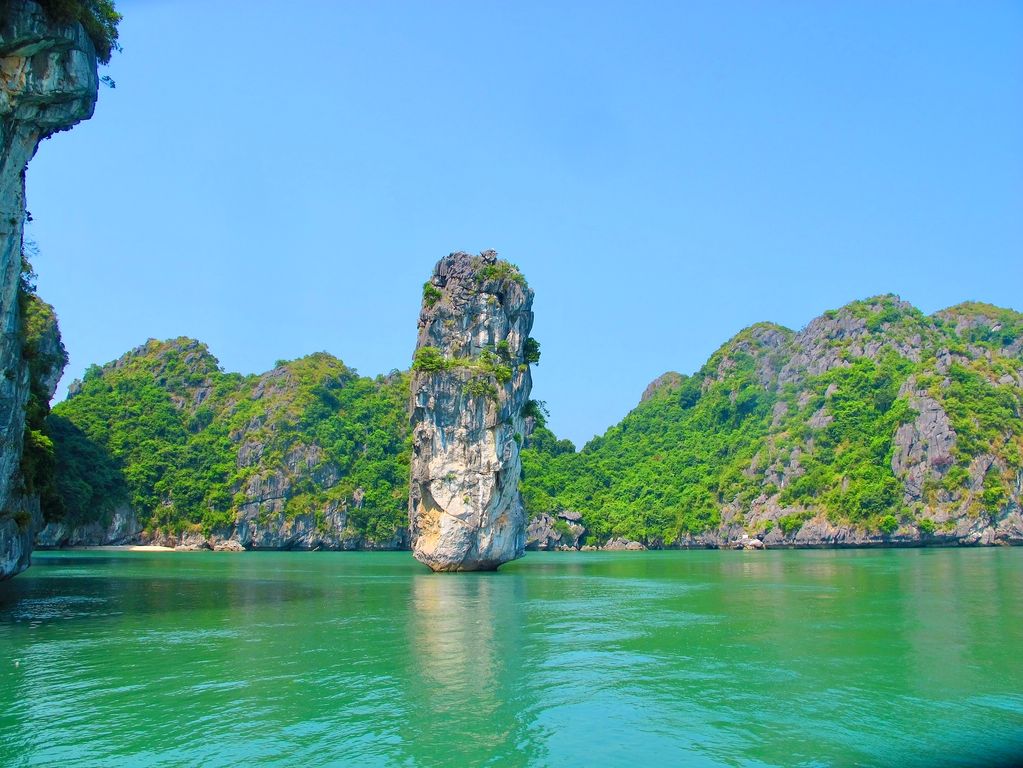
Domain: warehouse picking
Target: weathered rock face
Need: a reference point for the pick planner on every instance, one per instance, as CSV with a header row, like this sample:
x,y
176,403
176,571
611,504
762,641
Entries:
x,y
470,391
42,360
48,83
123,528
548,532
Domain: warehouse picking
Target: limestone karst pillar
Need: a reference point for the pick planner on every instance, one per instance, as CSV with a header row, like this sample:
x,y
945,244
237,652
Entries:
x,y
470,391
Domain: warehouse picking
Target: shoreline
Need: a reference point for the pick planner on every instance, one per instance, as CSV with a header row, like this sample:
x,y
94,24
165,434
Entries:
x,y
782,547
112,548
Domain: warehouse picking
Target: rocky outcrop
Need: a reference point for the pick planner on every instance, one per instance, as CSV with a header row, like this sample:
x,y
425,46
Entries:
x,y
924,446
618,544
547,532
469,395
306,532
820,533
48,83
310,455
123,527
667,380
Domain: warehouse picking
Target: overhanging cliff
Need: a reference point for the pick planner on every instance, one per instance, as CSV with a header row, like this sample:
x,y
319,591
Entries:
x,y
48,83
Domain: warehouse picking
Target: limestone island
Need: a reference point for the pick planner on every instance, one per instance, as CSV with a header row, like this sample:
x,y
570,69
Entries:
x,y
470,412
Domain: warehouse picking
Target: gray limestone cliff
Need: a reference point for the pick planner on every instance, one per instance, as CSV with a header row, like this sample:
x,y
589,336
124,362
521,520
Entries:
x,y
48,83
470,398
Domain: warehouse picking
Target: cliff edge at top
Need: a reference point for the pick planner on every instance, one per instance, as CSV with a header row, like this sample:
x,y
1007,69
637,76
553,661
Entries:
x,y
470,413
48,83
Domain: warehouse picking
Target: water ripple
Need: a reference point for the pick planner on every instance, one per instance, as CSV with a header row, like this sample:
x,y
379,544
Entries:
x,y
658,658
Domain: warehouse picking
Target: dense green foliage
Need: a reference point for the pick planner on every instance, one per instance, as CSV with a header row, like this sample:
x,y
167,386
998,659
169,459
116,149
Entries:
x,y
87,482
532,351
848,471
37,457
739,438
429,360
187,439
775,430
99,17
664,470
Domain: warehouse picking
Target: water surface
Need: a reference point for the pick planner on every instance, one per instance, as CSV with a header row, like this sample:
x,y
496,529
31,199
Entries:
x,y
909,657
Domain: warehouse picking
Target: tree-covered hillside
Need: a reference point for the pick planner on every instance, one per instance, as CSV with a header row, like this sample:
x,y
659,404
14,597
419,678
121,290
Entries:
x,y
874,423
307,454
875,418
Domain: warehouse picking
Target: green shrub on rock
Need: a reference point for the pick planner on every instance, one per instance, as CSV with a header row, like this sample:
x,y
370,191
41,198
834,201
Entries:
x,y
888,524
431,294
98,17
429,360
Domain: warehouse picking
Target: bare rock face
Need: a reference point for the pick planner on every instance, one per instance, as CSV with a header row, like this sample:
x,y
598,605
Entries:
x,y
470,396
550,532
48,83
123,528
667,380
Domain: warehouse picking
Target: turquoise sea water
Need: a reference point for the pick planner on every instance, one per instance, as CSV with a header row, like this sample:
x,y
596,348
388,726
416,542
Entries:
x,y
911,657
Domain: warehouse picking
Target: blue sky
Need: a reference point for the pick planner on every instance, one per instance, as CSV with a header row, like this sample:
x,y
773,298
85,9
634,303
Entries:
x,y
277,183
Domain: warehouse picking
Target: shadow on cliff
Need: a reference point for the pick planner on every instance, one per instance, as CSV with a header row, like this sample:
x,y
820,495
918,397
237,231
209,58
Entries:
x,y
87,480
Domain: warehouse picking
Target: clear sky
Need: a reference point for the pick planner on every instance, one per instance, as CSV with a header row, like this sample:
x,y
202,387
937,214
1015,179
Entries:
x,y
279,178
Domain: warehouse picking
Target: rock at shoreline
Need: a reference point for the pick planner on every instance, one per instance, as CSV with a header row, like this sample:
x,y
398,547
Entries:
x,y
470,392
621,545
555,532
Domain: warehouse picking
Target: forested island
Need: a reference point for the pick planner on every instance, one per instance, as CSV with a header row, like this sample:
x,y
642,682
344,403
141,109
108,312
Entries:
x,y
874,425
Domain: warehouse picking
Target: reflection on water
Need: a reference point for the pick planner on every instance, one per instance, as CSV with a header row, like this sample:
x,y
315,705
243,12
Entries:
x,y
694,658
452,638
464,638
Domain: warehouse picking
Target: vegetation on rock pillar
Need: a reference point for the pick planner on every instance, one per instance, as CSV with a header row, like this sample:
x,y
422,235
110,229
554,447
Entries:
x,y
469,387
99,18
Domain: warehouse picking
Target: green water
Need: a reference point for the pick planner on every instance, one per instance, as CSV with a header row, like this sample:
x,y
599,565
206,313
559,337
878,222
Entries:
x,y
663,658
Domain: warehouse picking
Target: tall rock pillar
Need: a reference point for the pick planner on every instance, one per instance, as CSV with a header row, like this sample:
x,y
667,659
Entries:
x,y
470,393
